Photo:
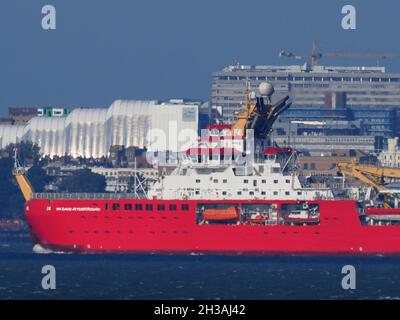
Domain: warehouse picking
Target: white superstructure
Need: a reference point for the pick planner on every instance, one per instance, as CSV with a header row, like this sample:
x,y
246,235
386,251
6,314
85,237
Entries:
x,y
227,163
219,182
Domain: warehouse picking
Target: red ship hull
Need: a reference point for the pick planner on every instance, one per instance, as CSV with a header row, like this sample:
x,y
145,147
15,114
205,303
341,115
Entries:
x,y
93,226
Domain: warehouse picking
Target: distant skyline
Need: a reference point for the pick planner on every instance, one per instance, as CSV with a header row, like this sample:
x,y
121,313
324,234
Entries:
x,y
127,49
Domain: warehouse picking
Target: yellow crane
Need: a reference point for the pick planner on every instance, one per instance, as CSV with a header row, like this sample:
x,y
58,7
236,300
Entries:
x,y
373,176
242,118
259,114
22,180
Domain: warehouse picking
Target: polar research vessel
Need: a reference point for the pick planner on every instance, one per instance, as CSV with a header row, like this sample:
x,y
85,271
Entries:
x,y
231,193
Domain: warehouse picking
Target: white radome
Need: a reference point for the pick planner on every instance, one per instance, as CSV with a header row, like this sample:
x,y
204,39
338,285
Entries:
x,y
266,89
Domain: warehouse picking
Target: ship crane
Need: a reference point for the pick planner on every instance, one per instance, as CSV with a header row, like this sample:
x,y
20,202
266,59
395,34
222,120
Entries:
x,y
20,175
261,114
316,55
373,176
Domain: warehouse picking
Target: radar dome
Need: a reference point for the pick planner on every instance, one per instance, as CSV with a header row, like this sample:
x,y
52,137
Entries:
x,y
266,89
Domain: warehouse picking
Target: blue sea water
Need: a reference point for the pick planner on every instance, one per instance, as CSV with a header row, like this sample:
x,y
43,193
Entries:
x,y
89,276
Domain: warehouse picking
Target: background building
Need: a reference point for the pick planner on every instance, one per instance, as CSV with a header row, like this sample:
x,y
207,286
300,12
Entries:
x,y
21,115
325,145
53,112
363,86
304,126
391,156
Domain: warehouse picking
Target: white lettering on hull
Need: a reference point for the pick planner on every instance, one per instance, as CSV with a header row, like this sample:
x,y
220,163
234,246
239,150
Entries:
x,y
73,209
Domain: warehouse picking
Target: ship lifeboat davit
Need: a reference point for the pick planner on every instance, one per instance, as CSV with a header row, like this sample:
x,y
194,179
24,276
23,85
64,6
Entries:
x,y
230,213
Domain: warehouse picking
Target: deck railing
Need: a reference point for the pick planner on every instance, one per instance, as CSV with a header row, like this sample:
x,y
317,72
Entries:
x,y
84,196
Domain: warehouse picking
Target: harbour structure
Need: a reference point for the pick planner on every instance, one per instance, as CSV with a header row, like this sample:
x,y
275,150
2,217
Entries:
x,y
91,132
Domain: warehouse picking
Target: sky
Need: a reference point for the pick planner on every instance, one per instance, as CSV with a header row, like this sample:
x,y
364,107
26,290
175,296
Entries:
x,y
161,49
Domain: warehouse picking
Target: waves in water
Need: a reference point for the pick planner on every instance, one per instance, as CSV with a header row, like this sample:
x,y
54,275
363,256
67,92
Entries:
x,y
37,248
191,276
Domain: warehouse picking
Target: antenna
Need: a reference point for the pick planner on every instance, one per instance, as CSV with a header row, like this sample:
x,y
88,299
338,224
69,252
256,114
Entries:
x,y
248,93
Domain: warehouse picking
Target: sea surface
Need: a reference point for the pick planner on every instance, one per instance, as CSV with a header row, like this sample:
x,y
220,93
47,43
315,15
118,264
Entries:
x,y
92,276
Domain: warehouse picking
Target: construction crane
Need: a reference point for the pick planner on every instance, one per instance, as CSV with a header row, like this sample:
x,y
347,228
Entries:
x,y
315,55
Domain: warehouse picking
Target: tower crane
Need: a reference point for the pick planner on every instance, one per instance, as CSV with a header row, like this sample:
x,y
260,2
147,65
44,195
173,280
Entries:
x,y
316,55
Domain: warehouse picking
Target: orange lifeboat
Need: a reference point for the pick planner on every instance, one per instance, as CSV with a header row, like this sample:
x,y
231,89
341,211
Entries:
x,y
230,213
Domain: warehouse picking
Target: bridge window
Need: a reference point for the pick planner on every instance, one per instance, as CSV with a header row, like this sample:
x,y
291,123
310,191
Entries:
x,y
185,207
160,207
116,206
106,207
138,207
172,207
149,207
